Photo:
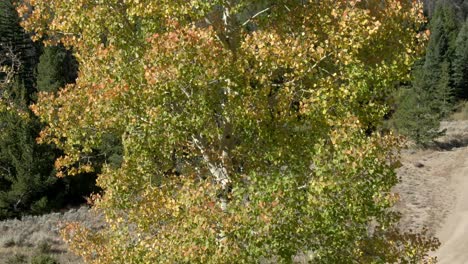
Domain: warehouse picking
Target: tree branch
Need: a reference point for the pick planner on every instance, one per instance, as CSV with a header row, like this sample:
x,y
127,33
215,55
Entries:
x,y
10,64
255,15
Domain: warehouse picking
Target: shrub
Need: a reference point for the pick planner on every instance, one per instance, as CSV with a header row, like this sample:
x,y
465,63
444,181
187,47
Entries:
x,y
43,259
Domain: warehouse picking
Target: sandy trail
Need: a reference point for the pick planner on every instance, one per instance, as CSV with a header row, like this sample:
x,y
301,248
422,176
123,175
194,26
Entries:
x,y
454,232
434,192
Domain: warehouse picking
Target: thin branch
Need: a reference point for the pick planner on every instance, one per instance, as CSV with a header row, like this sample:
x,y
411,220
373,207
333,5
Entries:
x,y
189,96
10,64
256,15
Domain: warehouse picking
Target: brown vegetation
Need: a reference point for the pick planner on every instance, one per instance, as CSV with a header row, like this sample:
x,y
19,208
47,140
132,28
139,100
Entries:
x,y
34,234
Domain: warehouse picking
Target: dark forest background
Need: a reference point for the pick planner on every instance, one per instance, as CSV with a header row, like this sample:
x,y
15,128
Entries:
x,y
28,182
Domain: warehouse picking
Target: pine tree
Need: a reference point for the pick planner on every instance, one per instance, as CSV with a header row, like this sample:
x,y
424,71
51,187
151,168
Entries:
x,y
461,7
28,182
441,46
460,63
26,168
56,68
12,35
416,115
443,99
431,95
414,118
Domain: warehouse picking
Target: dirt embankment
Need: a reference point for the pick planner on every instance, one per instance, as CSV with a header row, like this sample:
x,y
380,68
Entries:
x,y
434,192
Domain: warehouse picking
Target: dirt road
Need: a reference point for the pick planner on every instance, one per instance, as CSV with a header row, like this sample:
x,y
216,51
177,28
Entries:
x,y
454,231
434,192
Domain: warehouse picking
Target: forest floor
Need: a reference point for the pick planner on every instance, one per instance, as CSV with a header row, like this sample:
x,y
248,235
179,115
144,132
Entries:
x,y
433,194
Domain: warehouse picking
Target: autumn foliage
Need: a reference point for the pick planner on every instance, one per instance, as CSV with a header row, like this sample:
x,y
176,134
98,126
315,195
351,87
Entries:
x,y
248,127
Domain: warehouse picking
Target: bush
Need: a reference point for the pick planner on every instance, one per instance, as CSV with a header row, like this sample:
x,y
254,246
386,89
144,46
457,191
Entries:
x,y
43,247
43,259
42,255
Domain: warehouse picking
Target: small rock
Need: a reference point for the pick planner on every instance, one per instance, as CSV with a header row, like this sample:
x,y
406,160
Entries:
x,y
418,164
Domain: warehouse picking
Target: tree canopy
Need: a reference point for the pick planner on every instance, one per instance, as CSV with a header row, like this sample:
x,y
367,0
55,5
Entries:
x,y
248,127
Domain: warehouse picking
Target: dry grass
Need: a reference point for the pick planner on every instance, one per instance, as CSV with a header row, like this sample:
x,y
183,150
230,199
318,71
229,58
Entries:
x,y
33,234
461,112
456,136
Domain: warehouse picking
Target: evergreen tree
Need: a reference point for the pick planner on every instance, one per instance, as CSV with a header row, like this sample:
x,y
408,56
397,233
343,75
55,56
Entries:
x,y
460,63
460,6
431,95
442,99
441,46
26,168
414,118
416,115
56,68
12,35
28,182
